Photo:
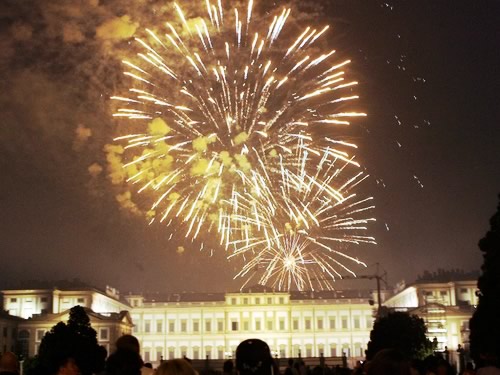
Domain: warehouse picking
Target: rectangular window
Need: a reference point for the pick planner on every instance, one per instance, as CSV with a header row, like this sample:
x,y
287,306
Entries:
x,y
356,323
80,300
233,301
245,301
320,323
258,325
136,328
308,323
369,323
282,324
159,354
269,301
295,324
208,326
171,353
333,351
147,326
332,323
103,334
171,326
282,300
13,300
245,325
220,325
444,293
39,334
159,326
196,353
43,299
257,301
147,355
344,322
234,326
196,326
269,325
183,325
463,291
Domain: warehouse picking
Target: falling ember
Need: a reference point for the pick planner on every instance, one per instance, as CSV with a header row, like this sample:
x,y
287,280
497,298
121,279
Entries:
x,y
224,121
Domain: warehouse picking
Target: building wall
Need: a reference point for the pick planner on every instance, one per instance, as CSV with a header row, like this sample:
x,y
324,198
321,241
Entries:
x,y
214,329
8,334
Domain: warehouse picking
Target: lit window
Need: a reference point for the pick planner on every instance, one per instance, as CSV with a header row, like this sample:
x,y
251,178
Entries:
x,y
233,301
234,326
245,301
344,322
320,323
356,322
257,301
171,326
196,326
308,323
282,300
269,325
103,334
295,324
39,334
159,326
220,325
147,326
258,325
282,324
269,301
332,323
208,326
183,326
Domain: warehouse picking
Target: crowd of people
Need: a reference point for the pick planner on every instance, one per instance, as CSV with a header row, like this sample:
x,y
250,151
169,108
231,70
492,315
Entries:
x,y
253,357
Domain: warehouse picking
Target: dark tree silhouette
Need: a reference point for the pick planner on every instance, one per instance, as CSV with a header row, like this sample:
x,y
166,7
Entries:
x,y
401,331
485,323
76,340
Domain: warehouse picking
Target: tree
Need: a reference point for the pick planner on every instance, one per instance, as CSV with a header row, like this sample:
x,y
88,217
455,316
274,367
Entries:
x,y
77,340
401,331
485,323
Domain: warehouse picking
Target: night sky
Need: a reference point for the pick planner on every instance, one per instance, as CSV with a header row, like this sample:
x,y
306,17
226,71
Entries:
x,y
429,80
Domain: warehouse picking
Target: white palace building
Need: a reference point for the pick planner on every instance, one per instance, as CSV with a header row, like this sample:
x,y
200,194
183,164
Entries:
x,y
201,325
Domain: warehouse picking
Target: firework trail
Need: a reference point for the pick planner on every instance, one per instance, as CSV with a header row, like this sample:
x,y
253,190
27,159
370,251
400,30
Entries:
x,y
223,122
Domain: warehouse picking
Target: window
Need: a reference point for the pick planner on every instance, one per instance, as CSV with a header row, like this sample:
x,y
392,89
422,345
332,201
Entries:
x,y
369,323
444,293
245,301
43,299
269,301
282,300
136,328
332,323
463,291
208,326
282,324
147,326
257,301
39,334
333,351
308,324
159,353
104,334
234,326
80,300
159,326
258,325
295,323
220,325
196,353
220,352
356,322
13,300
183,325
171,326
269,325
147,355
344,322
196,326
233,301
245,325
171,352
320,323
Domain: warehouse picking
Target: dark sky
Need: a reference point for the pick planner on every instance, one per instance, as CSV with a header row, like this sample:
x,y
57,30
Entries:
x,y
429,81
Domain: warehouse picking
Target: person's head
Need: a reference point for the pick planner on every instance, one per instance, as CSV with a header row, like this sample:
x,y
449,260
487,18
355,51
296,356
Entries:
x,y
228,366
388,362
68,367
124,362
9,362
176,367
128,342
253,357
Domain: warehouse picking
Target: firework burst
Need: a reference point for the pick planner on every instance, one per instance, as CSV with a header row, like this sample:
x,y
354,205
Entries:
x,y
224,116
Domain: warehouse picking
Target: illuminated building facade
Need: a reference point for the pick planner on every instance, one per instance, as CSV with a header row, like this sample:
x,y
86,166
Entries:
x,y
446,308
212,325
